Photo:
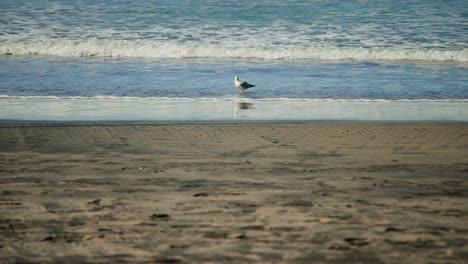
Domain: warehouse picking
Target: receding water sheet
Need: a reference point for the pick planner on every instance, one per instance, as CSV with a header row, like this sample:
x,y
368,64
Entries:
x,y
230,110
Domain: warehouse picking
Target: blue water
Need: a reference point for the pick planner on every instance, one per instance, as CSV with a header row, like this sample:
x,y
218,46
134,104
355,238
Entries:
x,y
67,77
414,52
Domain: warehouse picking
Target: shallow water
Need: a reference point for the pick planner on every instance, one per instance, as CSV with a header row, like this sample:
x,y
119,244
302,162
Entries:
x,y
68,77
228,110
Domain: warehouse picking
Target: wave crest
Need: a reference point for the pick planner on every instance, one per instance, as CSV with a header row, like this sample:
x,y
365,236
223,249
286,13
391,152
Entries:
x,y
158,50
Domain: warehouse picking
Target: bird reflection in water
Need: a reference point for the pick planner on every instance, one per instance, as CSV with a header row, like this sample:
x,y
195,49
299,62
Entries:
x,y
242,106
245,106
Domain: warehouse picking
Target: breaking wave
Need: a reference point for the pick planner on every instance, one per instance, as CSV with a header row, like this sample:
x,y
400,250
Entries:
x,y
173,50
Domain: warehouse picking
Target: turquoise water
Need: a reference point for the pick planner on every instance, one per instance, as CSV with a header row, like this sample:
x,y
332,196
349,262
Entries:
x,y
387,57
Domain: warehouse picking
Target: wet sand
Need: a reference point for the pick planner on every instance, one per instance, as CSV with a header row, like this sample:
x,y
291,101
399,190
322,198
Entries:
x,y
335,192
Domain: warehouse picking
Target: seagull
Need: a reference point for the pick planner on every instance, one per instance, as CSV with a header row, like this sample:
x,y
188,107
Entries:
x,y
242,85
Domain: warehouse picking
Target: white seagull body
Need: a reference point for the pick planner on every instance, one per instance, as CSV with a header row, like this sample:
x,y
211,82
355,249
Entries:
x,y
242,85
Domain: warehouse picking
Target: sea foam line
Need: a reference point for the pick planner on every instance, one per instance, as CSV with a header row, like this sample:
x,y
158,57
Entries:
x,y
229,99
173,50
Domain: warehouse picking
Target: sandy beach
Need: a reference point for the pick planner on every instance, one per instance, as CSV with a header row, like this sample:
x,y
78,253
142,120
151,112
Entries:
x,y
334,192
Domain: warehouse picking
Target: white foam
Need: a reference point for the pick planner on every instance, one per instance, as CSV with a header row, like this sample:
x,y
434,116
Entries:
x,y
230,99
174,50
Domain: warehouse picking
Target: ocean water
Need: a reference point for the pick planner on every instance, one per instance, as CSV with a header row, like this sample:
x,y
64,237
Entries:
x,y
176,60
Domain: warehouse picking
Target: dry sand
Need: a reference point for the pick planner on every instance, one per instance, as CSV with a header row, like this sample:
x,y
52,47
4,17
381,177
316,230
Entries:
x,y
335,192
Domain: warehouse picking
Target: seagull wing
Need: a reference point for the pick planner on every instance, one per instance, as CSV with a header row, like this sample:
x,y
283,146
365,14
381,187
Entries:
x,y
246,85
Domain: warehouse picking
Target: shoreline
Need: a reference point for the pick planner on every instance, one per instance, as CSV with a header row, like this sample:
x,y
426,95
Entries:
x,y
25,123
313,192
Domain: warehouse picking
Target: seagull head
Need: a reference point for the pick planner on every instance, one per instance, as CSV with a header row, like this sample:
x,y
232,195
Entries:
x,y
236,78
